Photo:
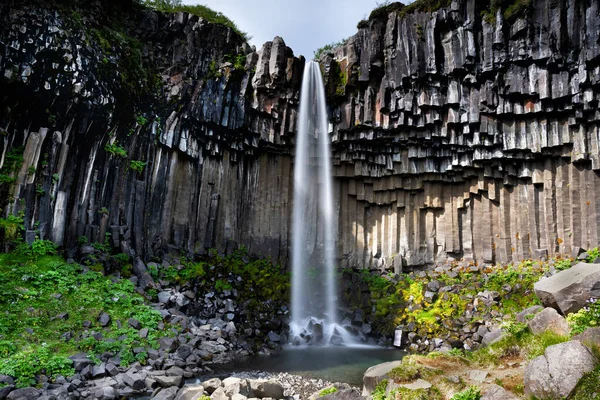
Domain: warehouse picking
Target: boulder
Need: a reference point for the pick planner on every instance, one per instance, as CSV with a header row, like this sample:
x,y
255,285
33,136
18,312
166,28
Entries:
x,y
168,381
237,386
555,374
569,290
105,393
492,336
190,392
166,394
376,374
219,394
211,385
24,394
549,320
271,389
495,392
589,338
522,316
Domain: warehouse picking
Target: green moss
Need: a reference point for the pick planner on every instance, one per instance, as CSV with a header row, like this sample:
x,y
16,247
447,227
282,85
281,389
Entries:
x,y
327,391
410,371
432,393
380,390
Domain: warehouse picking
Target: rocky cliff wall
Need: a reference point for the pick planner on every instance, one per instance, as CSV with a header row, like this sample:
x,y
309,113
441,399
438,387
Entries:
x,y
85,98
464,135
455,136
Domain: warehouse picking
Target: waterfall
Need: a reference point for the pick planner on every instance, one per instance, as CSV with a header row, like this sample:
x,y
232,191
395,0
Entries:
x,y
314,288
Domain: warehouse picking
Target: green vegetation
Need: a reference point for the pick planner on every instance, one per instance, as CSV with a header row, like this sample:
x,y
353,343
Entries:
x,y
592,255
585,318
46,302
12,227
410,371
511,9
471,393
328,47
385,8
424,6
115,149
379,392
402,301
432,393
587,388
201,11
213,71
12,163
327,391
137,165
526,345
137,80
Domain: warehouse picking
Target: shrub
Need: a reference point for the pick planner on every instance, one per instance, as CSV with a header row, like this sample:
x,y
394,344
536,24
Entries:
x,y
471,393
38,248
115,149
137,166
587,317
593,254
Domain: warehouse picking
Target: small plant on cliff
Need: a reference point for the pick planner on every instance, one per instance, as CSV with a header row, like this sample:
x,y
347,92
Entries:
x,y
115,149
593,254
213,71
328,48
137,166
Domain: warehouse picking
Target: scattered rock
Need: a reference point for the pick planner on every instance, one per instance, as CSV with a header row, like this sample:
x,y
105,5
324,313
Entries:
x,y
589,338
569,290
269,389
168,381
522,317
555,374
495,392
104,319
549,320
166,394
24,394
376,374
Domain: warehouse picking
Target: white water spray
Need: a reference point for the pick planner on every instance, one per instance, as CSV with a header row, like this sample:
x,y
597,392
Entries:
x,y
314,288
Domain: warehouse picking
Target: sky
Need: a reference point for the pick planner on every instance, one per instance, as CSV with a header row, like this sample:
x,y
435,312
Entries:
x,y
304,25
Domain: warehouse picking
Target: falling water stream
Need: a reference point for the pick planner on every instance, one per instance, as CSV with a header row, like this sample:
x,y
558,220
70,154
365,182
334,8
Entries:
x,y
314,290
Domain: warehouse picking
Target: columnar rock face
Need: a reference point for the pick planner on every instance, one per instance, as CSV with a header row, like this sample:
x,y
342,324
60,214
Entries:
x,y
454,136
462,138
83,100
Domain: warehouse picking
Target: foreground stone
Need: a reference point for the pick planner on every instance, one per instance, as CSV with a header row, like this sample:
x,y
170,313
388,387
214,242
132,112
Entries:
x,y
555,374
376,374
569,290
549,320
589,338
495,392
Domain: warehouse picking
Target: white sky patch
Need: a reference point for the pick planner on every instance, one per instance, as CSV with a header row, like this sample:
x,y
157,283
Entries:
x,y
304,25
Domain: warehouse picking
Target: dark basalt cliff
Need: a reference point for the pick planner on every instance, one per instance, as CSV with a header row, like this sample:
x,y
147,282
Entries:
x,y
454,137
